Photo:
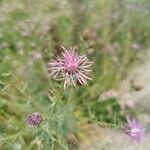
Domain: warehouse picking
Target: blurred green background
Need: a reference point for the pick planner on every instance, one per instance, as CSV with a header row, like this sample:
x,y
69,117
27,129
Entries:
x,y
114,34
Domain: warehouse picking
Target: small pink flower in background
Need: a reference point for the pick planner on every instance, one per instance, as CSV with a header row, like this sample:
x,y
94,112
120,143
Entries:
x,y
134,130
109,94
34,119
70,67
127,104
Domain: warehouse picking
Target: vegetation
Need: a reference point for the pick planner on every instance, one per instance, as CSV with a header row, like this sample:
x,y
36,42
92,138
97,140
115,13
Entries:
x,y
113,34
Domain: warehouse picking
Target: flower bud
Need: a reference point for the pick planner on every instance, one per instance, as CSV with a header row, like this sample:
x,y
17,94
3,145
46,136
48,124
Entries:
x,y
34,119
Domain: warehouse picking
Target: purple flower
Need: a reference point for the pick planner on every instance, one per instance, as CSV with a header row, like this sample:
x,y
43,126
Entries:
x,y
134,130
34,119
70,67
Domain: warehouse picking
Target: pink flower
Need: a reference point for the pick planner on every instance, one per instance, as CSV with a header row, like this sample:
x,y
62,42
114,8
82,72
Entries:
x,y
134,130
109,94
70,67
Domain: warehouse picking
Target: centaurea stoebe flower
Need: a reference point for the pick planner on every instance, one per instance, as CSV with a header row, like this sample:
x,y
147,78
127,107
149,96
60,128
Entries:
x,y
34,119
70,67
109,94
134,130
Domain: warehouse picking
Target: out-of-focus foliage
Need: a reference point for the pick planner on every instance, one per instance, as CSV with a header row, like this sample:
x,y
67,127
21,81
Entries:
x,y
112,33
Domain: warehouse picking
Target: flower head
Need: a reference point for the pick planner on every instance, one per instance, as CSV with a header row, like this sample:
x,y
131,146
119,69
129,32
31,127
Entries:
x,y
134,130
70,67
34,119
109,94
71,138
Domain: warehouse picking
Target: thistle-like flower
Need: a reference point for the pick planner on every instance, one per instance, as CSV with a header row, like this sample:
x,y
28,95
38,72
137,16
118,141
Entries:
x,y
34,119
134,130
70,67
